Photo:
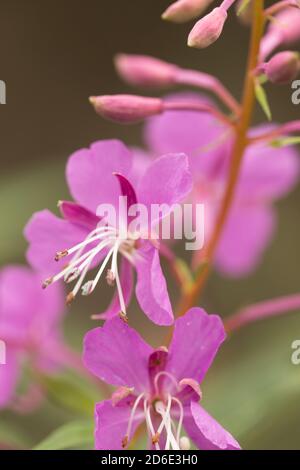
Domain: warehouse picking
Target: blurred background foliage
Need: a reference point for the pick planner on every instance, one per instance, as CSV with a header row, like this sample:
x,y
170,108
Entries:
x,y
54,54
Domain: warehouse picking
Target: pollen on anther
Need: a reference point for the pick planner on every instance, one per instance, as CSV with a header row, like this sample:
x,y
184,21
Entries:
x,y
123,317
47,282
155,438
125,442
70,298
61,254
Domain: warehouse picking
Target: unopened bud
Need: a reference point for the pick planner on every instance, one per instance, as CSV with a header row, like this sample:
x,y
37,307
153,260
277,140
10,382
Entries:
x,y
283,67
207,30
185,10
140,70
126,108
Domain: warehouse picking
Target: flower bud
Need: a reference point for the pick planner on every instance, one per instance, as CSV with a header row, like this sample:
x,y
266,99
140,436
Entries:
x,y
126,108
140,70
207,30
283,67
185,10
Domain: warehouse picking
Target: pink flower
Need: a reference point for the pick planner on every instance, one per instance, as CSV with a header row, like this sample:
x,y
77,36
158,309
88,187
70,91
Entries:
x,y
100,175
29,327
159,387
267,175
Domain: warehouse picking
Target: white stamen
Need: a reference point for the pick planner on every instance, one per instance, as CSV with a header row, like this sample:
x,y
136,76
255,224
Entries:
x,y
132,415
167,424
149,423
185,443
180,421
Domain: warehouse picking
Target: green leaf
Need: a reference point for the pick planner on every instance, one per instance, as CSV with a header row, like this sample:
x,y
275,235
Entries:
x,y
72,393
77,434
263,100
243,6
285,141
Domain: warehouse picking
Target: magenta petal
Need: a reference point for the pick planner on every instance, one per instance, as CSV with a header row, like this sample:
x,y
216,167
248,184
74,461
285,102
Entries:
x,y
90,173
268,173
20,315
126,279
199,135
206,432
47,234
126,189
118,355
246,235
196,340
9,374
166,181
151,288
112,422
78,215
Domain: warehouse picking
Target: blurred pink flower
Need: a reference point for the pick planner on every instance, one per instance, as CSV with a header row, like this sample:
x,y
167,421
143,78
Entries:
x,y
159,387
29,326
267,174
100,175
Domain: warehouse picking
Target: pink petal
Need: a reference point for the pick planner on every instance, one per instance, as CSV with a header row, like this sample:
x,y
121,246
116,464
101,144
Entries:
x,y
268,173
166,181
78,215
117,355
206,432
151,288
47,234
246,235
196,340
90,173
199,135
112,422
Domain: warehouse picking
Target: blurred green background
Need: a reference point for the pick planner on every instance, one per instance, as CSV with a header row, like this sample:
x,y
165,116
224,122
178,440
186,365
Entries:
x,y
53,55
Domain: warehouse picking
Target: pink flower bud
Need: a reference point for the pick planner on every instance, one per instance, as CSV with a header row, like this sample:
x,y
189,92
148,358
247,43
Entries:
x,y
283,67
139,70
287,25
207,30
185,10
126,108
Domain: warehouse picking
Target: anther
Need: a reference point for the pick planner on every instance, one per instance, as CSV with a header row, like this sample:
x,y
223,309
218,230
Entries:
x,y
123,317
47,282
110,278
87,288
70,298
125,442
155,438
61,254
72,275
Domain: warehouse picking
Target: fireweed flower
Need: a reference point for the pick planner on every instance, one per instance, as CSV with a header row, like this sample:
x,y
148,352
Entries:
x,y
284,30
267,174
100,175
29,327
159,387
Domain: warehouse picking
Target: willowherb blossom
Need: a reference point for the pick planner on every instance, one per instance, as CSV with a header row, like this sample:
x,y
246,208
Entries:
x,y
283,67
283,30
267,175
29,328
185,10
159,387
83,239
207,30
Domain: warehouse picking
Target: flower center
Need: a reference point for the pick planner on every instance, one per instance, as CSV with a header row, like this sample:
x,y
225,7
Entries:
x,y
106,238
169,410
